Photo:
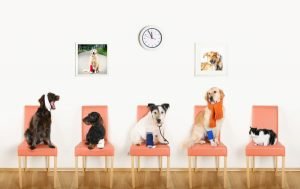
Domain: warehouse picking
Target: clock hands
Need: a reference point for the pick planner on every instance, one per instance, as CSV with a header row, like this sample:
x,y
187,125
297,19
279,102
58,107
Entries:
x,y
151,35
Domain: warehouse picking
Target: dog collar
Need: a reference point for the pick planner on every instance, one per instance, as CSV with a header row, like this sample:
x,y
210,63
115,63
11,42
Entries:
x,y
47,103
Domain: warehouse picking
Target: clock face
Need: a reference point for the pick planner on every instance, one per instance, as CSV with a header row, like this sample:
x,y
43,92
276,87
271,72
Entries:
x,y
150,37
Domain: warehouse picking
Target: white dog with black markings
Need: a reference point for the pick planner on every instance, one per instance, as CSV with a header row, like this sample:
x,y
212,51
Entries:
x,y
152,122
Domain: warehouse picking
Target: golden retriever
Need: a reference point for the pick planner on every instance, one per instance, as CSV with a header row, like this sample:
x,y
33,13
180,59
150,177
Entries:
x,y
214,62
209,119
95,67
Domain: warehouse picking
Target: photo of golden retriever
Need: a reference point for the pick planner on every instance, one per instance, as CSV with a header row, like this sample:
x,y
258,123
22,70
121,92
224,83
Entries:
x,y
91,59
94,63
213,63
208,121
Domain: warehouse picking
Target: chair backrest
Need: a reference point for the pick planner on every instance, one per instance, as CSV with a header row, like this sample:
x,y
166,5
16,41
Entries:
x,y
198,109
102,110
265,117
29,111
141,112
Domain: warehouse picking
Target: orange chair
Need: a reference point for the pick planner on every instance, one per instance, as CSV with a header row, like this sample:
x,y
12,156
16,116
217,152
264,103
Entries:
x,y
82,149
265,117
206,150
142,150
41,149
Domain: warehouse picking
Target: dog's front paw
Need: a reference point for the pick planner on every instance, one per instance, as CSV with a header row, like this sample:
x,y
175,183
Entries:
x,y
51,146
202,142
91,146
32,147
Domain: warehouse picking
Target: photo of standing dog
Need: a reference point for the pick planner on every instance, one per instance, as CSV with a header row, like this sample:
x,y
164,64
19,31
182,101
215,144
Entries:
x,y
96,134
153,122
208,122
39,130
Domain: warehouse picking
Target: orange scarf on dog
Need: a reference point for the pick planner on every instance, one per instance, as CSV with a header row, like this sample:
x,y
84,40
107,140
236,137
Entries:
x,y
216,113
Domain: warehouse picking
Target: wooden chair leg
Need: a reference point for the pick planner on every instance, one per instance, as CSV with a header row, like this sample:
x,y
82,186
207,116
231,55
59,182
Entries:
x,y
106,163
253,163
168,171
160,163
195,163
20,171
25,163
132,172
139,164
248,172
217,163
275,159
225,171
76,172
55,171
111,171
190,171
83,164
283,172
47,163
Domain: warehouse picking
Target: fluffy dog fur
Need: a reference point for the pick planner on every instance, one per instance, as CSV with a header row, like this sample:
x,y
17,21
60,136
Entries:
x,y
96,132
94,61
40,124
214,62
201,125
150,123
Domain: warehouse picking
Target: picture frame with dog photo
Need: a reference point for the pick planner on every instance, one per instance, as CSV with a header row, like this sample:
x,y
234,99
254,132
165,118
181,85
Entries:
x,y
210,60
91,59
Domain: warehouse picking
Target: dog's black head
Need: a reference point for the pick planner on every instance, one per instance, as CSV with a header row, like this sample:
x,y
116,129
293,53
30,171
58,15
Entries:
x,y
52,98
93,118
158,112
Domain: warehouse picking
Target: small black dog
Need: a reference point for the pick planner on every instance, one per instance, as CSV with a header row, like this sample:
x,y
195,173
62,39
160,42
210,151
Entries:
x,y
96,134
40,123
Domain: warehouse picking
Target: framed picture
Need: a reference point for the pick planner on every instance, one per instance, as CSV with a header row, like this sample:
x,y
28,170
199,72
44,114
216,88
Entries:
x,y
210,59
91,59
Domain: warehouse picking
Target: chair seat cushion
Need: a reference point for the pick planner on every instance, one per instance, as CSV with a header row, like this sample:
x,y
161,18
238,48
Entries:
x,y
40,150
143,150
207,150
82,150
273,150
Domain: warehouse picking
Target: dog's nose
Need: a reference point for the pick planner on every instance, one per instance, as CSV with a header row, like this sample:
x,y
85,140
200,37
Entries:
x,y
158,120
211,98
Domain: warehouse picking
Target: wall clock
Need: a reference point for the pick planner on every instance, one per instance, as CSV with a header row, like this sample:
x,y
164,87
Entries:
x,y
150,37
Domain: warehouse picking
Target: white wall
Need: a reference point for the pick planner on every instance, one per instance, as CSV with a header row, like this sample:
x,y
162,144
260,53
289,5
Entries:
x,y
38,53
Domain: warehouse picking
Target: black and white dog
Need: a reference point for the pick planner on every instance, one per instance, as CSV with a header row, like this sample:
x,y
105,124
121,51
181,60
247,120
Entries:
x,y
96,134
263,137
40,124
152,122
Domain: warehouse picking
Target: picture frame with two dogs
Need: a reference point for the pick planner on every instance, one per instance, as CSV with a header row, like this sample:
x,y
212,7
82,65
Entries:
x,y
210,59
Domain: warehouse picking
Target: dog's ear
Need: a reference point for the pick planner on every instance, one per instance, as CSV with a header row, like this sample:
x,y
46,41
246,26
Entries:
x,y
42,100
222,95
206,97
165,106
151,106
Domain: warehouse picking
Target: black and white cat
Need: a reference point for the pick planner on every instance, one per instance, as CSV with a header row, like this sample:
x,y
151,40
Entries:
x,y
263,137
